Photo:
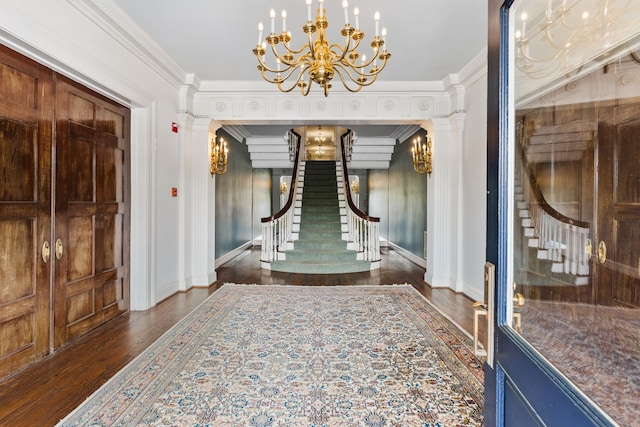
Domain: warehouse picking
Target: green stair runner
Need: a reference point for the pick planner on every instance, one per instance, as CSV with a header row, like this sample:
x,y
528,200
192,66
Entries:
x,y
320,248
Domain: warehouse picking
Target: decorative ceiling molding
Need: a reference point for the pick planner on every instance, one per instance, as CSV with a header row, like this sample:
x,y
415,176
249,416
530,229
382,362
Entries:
x,y
272,107
113,21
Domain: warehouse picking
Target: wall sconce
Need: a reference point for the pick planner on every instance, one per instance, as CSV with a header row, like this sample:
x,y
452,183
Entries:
x,y
219,153
355,187
283,187
422,155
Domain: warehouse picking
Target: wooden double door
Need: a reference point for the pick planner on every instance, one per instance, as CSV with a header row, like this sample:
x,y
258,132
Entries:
x,y
64,211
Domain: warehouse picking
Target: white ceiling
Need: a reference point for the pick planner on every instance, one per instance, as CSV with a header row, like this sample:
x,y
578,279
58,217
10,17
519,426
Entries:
x,y
213,39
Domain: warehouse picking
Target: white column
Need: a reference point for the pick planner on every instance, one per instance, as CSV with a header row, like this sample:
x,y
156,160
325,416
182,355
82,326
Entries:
x,y
143,210
200,226
441,215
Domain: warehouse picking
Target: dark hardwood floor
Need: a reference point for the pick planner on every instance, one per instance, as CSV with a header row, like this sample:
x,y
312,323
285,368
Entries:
x,y
44,393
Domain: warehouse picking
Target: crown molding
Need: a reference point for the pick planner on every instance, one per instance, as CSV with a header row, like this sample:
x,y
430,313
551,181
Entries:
x,y
113,21
475,69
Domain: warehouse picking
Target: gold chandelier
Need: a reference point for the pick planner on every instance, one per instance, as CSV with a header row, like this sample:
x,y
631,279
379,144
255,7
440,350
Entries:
x,y
219,156
319,60
422,155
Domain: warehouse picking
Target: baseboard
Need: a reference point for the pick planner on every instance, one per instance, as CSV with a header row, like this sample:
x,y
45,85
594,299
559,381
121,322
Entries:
x,y
166,291
416,259
233,253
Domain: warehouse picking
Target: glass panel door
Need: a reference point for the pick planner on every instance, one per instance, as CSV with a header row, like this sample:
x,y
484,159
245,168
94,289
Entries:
x,y
575,163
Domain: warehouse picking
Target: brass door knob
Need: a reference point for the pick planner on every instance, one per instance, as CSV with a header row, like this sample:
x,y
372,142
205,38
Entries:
x,y
46,251
59,249
602,252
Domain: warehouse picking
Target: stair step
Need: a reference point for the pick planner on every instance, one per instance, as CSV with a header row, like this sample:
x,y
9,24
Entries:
x,y
321,268
320,244
321,256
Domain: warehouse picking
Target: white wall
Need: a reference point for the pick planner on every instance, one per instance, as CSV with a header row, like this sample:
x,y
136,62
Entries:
x,y
471,253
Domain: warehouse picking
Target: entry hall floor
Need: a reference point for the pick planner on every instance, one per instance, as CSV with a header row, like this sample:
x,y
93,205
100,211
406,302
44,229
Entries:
x,y
47,391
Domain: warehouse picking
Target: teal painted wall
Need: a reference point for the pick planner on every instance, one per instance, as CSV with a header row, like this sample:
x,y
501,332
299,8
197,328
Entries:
x,y
399,197
242,195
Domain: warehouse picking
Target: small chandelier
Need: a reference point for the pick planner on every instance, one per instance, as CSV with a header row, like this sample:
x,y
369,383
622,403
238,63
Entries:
x,y
422,155
319,61
219,156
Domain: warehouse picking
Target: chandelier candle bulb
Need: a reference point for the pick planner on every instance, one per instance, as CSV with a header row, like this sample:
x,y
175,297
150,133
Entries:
x,y
384,38
345,6
284,21
376,17
356,13
272,14
260,28
321,8
309,10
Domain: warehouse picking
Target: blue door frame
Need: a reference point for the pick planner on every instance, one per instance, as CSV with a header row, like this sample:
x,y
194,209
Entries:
x,y
521,388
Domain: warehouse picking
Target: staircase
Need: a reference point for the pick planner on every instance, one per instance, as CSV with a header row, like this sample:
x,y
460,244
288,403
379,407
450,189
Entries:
x,y
320,248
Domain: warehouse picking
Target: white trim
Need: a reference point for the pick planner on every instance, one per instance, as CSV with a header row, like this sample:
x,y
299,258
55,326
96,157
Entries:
x,y
234,253
107,16
416,259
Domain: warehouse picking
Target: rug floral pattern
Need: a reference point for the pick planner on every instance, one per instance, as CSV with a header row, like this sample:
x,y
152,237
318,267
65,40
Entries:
x,y
265,356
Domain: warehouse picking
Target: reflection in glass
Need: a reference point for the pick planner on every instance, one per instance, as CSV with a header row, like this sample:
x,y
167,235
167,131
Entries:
x,y
575,65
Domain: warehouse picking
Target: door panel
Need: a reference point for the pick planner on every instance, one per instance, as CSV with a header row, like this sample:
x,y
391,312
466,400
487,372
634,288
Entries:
x,y
91,212
25,218
618,225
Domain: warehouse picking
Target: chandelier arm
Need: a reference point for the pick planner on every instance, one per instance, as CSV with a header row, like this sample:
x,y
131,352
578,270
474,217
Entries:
x,y
282,60
295,83
528,57
289,72
339,69
548,36
297,62
363,67
307,86
263,67
363,74
361,82
295,52
347,49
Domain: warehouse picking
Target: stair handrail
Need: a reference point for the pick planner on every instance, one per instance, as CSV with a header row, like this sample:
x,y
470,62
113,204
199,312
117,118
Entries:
x,y
563,238
277,228
364,230
542,201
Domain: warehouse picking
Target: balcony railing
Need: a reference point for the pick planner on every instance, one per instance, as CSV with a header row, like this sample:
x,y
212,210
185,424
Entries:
x,y
277,229
363,230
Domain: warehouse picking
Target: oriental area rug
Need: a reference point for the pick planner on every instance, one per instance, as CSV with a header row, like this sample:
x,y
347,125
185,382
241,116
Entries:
x,y
268,355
